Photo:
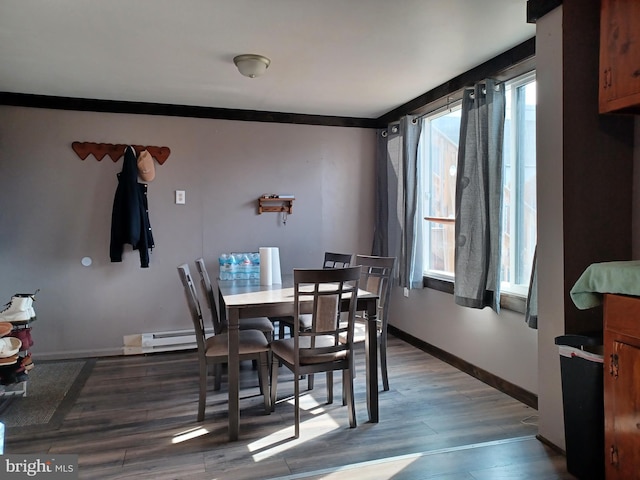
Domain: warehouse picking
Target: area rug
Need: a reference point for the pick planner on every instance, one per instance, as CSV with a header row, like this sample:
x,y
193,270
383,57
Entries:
x,y
52,388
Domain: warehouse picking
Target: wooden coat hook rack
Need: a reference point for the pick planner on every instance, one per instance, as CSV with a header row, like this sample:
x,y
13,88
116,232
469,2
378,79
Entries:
x,y
115,151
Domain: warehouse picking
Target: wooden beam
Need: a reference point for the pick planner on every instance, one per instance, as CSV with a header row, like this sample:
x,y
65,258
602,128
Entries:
x,y
144,108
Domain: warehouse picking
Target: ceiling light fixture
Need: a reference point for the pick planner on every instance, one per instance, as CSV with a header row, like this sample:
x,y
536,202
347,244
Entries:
x,y
251,65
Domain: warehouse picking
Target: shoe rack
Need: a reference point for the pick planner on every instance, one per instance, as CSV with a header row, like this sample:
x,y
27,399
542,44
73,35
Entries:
x,y
15,357
19,388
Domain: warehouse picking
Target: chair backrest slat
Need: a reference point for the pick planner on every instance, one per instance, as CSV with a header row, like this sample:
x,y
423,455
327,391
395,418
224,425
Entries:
x,y
326,313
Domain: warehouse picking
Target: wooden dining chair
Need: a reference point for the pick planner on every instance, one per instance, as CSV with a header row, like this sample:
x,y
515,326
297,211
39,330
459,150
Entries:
x,y
336,260
219,326
320,293
376,277
214,351
331,260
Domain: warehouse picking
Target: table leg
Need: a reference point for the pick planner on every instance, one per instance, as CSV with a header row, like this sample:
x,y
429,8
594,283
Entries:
x,y
371,355
234,375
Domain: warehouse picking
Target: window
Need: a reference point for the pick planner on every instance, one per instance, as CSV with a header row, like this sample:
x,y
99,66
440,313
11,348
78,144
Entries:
x,y
437,156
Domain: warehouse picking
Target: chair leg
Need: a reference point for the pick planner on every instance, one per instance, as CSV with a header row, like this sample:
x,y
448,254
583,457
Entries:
x,y
297,406
217,376
329,387
264,381
351,404
383,361
345,378
344,388
309,381
275,362
354,370
261,383
202,397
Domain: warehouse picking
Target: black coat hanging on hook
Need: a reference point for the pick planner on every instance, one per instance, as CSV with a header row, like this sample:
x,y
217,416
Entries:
x,y
130,215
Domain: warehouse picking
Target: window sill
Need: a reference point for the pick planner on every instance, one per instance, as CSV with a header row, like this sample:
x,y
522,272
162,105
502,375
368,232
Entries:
x,y
508,301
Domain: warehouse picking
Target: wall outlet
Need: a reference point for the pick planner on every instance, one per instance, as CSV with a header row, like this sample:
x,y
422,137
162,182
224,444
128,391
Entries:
x,y
406,292
180,197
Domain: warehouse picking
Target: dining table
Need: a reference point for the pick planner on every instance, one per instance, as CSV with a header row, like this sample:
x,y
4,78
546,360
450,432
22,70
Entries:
x,y
247,298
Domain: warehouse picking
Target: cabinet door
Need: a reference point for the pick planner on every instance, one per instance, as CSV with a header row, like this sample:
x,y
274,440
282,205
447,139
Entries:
x,y
620,56
622,455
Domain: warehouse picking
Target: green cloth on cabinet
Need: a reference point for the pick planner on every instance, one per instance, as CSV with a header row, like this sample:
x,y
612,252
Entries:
x,y
607,277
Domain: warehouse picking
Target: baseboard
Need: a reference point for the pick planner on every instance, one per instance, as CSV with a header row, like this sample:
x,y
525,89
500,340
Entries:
x,y
528,398
551,445
70,354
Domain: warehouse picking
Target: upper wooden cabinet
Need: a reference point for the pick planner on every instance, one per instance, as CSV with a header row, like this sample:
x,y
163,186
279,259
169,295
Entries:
x,y
620,56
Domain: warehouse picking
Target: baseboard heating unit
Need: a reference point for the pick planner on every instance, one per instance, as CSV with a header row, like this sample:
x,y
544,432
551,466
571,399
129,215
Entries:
x,y
160,341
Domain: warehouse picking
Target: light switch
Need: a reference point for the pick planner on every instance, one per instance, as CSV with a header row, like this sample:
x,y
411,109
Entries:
x,y
180,197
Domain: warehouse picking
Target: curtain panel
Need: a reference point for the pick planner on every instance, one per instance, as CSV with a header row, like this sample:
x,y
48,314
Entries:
x,y
478,227
531,310
380,233
398,229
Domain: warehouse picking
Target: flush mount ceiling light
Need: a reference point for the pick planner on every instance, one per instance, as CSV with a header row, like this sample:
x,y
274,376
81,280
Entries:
x,y
251,65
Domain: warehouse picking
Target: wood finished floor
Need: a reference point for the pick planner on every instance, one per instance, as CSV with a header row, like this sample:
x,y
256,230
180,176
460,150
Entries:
x,y
135,418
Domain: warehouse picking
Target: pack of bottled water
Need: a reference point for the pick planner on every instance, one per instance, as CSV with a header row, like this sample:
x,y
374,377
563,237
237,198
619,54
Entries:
x,y
239,266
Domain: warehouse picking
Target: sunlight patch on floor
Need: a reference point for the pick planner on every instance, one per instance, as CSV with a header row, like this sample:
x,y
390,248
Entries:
x,y
282,440
189,434
389,467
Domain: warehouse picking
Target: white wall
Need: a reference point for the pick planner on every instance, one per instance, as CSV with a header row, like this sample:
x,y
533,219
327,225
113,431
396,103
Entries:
x,y
56,209
550,223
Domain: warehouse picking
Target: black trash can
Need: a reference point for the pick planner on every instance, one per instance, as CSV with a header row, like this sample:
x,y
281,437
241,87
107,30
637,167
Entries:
x,y
581,369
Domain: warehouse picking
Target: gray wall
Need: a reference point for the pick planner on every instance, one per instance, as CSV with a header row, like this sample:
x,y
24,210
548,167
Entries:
x,y
500,344
56,209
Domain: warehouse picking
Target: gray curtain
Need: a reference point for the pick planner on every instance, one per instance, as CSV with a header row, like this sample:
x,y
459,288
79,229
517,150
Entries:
x,y
398,228
531,311
380,234
479,197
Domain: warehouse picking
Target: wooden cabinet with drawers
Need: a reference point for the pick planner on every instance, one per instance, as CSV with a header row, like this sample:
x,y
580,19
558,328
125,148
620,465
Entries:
x,y
619,56
622,386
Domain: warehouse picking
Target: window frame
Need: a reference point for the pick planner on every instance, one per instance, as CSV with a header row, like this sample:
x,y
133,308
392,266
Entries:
x,y
513,296
516,214
453,104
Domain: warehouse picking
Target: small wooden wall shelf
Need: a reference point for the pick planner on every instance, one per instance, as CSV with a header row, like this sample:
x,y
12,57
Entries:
x,y
115,151
275,204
